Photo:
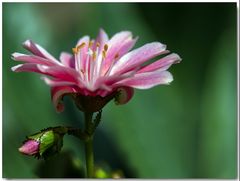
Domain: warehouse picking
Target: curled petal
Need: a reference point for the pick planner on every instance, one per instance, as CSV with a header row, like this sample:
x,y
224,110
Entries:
x,y
57,94
124,95
31,59
148,79
38,50
163,63
137,57
67,59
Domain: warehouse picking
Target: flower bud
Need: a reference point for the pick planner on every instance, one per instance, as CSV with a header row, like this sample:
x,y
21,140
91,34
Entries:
x,y
45,143
30,147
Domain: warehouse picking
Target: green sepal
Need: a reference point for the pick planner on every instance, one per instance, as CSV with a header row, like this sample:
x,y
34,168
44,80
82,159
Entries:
x,y
46,141
56,148
36,136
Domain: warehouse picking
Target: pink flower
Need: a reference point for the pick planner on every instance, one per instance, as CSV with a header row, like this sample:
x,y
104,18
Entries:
x,y
99,68
30,147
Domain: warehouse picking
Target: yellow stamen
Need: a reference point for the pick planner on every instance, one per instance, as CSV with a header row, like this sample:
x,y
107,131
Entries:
x,y
105,47
90,43
81,46
104,54
98,44
74,50
94,55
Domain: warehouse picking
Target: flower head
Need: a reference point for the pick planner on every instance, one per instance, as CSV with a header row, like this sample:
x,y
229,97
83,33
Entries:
x,y
99,70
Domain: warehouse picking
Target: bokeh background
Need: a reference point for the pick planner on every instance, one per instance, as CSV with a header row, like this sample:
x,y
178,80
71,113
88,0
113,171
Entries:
x,y
185,130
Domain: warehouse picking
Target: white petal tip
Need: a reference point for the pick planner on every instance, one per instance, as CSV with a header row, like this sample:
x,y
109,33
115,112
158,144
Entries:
x,y
102,30
160,45
177,57
15,55
136,38
45,79
27,43
169,79
42,68
14,69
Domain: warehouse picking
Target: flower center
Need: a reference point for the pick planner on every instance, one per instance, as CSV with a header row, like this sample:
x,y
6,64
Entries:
x,y
89,60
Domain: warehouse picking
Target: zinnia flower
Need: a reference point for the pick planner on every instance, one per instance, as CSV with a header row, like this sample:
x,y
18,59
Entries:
x,y
99,70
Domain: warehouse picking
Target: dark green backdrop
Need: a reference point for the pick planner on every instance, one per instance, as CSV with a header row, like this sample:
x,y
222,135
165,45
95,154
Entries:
x,y
185,130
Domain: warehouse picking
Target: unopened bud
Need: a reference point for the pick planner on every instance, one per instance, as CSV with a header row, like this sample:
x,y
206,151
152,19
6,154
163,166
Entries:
x,y
30,147
45,143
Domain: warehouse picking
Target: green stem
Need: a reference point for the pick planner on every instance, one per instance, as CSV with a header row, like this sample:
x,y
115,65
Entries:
x,y
89,158
89,146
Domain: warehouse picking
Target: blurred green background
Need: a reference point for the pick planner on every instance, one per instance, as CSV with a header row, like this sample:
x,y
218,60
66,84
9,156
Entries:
x,y
185,130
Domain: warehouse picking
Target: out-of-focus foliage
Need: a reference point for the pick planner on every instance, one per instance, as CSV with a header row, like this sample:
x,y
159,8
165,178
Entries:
x,y
185,130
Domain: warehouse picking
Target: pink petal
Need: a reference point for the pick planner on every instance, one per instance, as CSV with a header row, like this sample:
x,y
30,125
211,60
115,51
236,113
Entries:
x,y
111,80
137,57
62,73
28,67
83,52
31,59
117,41
148,79
119,51
38,50
55,83
118,38
67,59
84,39
30,147
102,38
57,94
126,46
106,82
125,94
163,63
